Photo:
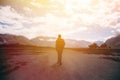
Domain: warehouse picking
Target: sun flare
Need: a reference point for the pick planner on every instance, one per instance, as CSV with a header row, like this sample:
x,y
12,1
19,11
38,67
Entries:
x,y
68,17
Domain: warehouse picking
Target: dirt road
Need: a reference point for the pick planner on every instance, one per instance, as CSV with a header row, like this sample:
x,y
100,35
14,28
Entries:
x,y
76,66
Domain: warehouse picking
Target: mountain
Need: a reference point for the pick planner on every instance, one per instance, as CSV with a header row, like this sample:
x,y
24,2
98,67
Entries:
x,y
76,43
99,43
113,42
44,41
50,42
13,39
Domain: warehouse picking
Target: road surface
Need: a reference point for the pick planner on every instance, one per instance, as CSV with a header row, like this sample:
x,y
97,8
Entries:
x,y
76,66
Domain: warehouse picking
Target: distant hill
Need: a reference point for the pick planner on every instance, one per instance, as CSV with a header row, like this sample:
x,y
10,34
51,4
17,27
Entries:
x,y
42,41
50,42
99,43
113,42
76,43
13,39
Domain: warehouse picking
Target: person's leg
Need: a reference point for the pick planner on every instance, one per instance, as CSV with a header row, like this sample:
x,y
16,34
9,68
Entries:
x,y
60,59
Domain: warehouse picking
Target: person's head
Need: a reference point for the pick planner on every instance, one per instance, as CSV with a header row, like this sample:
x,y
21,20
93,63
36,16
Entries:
x,y
59,36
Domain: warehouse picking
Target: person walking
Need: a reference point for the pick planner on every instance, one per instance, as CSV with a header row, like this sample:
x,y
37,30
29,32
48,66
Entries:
x,y
59,47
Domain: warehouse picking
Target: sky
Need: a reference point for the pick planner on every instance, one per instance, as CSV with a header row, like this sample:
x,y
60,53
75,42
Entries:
x,y
91,20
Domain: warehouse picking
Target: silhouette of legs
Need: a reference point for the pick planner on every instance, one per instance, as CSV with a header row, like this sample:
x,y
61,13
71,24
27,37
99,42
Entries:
x,y
60,57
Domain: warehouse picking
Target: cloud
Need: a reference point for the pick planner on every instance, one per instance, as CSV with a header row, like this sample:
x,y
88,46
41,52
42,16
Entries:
x,y
12,19
68,17
36,4
34,26
5,24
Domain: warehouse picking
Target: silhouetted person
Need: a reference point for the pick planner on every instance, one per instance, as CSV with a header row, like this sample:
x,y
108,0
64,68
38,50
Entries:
x,y
59,47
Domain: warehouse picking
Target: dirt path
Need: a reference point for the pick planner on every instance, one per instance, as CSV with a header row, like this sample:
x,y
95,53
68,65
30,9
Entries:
x,y
76,66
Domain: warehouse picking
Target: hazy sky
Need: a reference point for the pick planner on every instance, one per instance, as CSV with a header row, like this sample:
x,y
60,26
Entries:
x,y
75,19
